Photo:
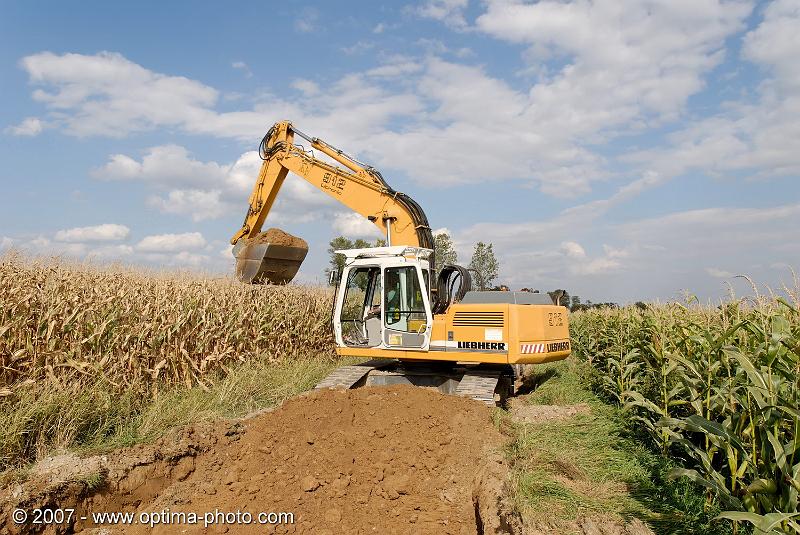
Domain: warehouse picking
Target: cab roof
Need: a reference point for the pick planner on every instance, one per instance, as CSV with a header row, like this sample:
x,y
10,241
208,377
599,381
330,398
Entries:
x,y
378,252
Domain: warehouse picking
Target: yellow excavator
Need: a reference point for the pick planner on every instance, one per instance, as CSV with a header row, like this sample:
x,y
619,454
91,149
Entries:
x,y
389,307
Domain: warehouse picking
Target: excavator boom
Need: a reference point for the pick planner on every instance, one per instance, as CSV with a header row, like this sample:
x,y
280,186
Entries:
x,y
357,186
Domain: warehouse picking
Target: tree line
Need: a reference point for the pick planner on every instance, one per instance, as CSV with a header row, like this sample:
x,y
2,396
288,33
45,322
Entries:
x,y
483,266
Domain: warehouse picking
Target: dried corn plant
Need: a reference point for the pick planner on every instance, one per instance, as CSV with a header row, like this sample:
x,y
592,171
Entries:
x,y
64,322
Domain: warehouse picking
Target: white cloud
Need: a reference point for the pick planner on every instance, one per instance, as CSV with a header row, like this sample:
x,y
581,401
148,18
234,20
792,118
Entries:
x,y
307,87
226,253
6,243
39,242
451,12
242,66
719,273
206,190
242,175
612,252
625,58
209,190
398,67
379,28
760,136
352,225
110,252
202,190
573,249
185,258
41,245
166,165
31,126
774,42
110,95
198,204
358,48
166,250
171,243
106,232
306,22
596,266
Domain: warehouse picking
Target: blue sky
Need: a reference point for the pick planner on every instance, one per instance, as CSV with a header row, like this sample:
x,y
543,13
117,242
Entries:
x,y
621,149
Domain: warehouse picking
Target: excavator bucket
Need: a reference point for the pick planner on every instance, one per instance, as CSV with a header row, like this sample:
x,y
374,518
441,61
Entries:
x,y
272,257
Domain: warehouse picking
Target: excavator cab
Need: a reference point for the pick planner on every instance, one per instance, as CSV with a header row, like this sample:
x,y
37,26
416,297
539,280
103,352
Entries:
x,y
383,300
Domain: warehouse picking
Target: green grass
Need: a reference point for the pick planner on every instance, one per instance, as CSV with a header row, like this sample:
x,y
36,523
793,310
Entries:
x,y
593,464
48,418
568,387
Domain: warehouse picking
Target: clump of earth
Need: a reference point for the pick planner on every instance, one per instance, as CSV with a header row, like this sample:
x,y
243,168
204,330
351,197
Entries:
x,y
277,236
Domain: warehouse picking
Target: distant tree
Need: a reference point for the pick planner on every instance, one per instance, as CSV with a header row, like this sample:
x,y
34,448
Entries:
x,y
484,266
339,243
560,297
640,305
575,303
445,252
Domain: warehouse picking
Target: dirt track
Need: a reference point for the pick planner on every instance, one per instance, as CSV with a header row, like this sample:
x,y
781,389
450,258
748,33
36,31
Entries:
x,y
372,460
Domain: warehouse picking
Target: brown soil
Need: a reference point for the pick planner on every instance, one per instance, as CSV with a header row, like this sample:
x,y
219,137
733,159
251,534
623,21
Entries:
x,y
373,460
276,236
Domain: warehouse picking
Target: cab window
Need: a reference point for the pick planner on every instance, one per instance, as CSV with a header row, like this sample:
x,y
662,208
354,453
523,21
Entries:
x,y
403,302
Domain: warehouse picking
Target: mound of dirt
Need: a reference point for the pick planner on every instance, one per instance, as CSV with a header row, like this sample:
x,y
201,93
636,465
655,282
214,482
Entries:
x,y
373,460
277,236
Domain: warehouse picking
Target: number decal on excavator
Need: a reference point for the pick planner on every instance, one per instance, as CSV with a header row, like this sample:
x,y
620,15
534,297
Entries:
x,y
555,319
334,183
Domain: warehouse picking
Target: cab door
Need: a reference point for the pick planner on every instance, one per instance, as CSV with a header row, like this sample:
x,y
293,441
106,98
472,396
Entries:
x,y
407,318
357,317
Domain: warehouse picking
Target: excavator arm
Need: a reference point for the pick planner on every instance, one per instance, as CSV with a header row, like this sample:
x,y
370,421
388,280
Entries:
x,y
358,186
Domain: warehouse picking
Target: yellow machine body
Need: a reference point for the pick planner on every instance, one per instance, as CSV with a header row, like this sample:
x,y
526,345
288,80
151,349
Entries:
x,y
494,333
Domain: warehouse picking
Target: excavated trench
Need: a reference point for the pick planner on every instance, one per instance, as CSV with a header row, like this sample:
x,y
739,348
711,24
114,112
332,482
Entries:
x,y
373,460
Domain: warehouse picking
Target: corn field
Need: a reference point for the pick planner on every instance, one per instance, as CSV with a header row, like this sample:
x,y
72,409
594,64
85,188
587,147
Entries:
x,y
62,323
717,389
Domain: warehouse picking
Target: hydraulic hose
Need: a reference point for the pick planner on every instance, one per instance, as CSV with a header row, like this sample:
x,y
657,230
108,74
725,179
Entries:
x,y
446,294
